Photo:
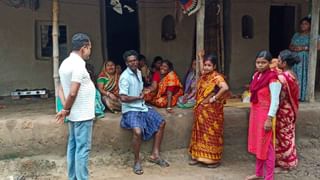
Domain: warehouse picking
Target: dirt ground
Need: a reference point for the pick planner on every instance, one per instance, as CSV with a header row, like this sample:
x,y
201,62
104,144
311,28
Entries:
x,y
110,165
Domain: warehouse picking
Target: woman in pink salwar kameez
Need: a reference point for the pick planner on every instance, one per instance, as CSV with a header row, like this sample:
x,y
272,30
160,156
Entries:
x,y
265,89
286,153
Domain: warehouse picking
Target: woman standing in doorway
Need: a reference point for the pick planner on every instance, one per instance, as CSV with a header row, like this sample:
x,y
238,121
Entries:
x,y
265,89
300,44
286,153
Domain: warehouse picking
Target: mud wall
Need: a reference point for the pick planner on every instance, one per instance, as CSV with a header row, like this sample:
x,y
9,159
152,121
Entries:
x,y
38,134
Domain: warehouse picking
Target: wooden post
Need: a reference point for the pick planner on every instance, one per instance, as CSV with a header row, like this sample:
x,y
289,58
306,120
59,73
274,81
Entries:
x,y
313,50
221,34
200,34
55,45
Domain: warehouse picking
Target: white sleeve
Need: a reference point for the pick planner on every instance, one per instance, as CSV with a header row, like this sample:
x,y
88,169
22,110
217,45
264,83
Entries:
x,y
275,89
123,86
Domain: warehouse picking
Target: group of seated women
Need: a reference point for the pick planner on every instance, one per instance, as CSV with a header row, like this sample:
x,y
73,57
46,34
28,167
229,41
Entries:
x,y
163,87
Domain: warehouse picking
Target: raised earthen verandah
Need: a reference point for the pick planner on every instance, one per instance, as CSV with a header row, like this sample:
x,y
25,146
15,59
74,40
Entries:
x,y
28,131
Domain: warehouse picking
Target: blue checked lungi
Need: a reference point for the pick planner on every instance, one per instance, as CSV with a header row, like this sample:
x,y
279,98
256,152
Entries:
x,y
149,122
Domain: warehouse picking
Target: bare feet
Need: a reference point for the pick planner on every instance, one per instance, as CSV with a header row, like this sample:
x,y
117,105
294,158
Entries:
x,y
253,177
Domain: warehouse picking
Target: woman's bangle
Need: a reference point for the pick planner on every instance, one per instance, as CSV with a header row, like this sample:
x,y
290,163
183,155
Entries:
x,y
169,108
214,98
66,111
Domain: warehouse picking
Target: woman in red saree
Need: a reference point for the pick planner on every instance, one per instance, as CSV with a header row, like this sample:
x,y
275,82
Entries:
x,y
286,153
166,87
265,89
206,144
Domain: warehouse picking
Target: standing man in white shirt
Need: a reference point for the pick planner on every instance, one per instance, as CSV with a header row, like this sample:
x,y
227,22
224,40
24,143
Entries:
x,y
78,106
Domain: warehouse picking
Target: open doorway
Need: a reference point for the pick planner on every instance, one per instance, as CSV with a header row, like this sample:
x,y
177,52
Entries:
x,y
122,26
282,28
213,35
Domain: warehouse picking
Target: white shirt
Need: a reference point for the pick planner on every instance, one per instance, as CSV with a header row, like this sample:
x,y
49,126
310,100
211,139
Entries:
x,y
73,69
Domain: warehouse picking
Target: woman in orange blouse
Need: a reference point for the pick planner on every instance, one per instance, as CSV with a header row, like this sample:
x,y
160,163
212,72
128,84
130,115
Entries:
x,y
166,87
207,132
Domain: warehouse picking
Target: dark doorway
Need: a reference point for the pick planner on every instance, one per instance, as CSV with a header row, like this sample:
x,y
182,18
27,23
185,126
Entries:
x,y
122,23
212,31
282,28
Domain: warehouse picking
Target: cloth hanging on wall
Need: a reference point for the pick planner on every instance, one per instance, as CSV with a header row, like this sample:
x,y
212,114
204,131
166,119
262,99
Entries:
x,y
117,7
190,6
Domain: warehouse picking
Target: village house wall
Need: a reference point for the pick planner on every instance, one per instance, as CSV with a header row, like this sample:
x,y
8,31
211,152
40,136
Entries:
x,y
180,50
20,69
19,66
242,51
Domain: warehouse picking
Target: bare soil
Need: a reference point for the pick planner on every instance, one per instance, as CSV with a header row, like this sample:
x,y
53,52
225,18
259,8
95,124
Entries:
x,y
114,166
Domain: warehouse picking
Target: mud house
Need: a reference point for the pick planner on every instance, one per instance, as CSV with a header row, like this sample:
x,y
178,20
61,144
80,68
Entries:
x,y
235,29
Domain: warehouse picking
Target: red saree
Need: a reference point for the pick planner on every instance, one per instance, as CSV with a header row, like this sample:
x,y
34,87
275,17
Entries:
x,y
207,132
286,153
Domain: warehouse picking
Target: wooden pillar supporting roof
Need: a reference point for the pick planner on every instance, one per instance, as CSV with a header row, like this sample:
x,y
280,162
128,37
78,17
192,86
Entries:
x,y
313,50
55,45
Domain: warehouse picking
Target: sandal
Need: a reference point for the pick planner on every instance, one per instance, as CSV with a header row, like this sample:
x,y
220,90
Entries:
x,y
193,162
137,168
159,161
215,165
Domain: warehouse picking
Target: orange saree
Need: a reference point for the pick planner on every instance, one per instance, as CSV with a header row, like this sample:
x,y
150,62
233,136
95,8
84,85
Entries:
x,y
160,98
207,132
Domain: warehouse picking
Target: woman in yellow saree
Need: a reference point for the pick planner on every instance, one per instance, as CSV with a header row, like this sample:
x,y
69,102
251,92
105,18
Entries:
x,y
207,132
